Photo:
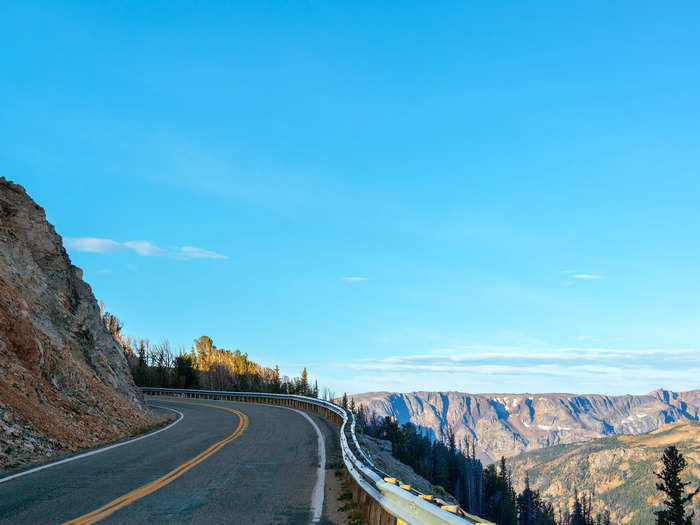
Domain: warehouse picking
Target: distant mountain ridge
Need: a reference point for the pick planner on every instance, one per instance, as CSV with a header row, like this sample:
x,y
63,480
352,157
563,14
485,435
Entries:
x,y
508,424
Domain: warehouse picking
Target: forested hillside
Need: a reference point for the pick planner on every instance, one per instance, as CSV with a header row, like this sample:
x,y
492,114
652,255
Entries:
x,y
487,492
617,470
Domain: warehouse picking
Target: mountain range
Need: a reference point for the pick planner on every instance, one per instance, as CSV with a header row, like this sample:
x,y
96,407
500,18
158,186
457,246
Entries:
x,y
509,424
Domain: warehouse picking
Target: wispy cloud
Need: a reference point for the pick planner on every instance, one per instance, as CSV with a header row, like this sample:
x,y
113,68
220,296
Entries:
x,y
92,244
354,278
144,248
192,252
572,276
524,365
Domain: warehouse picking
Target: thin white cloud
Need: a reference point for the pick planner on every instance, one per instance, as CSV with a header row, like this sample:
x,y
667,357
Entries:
x,y
92,244
192,252
585,276
354,278
482,359
488,368
143,248
474,352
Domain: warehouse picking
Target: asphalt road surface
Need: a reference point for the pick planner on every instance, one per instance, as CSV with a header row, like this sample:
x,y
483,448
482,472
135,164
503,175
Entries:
x,y
223,462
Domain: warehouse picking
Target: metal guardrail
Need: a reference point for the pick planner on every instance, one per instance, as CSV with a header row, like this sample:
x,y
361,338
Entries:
x,y
399,500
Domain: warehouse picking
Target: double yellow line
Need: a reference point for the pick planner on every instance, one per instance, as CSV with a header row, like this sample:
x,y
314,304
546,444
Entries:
x,y
134,495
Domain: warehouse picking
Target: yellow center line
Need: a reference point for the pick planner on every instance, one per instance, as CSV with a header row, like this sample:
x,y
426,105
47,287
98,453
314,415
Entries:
x,y
127,499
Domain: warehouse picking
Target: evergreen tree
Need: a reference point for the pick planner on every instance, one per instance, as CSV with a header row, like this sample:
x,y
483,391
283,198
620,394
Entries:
x,y
276,383
577,514
527,506
673,488
344,402
545,515
501,505
304,386
185,371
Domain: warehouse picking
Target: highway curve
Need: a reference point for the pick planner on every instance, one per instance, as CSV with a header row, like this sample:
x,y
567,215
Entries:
x,y
223,462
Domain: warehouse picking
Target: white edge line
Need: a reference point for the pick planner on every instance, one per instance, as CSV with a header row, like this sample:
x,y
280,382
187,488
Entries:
x,y
97,451
317,494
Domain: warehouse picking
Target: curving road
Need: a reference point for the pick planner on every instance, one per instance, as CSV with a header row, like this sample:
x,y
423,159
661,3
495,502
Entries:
x,y
222,462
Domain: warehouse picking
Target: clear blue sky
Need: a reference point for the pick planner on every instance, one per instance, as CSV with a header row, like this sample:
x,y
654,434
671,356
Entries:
x,y
516,186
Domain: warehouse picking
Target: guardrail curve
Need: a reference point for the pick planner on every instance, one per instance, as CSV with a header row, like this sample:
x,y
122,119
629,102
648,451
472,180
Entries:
x,y
383,499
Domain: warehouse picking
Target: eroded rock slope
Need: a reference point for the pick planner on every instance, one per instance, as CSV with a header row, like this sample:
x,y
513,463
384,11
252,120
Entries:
x,y
64,382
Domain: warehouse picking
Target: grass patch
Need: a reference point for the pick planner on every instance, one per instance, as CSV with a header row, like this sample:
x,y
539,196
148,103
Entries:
x,y
357,518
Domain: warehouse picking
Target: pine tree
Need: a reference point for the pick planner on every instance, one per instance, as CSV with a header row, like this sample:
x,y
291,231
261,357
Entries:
x,y
304,386
499,496
276,382
345,401
527,510
674,490
577,512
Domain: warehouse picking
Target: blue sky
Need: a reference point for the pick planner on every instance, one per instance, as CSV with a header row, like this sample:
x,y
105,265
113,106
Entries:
x,y
514,188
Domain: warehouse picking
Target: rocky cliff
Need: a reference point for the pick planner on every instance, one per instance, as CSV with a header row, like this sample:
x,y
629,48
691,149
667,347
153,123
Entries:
x,y
508,424
64,382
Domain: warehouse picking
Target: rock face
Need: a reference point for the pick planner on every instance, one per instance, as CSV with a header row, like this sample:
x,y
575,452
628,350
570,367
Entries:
x,y
617,470
380,452
64,382
508,424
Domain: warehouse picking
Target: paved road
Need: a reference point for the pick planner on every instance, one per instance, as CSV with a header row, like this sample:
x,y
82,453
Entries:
x,y
259,465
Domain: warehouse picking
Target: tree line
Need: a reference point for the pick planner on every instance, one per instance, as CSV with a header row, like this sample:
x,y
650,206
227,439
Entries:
x,y
202,366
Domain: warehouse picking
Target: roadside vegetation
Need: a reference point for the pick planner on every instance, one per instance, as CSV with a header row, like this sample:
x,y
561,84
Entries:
x,y
203,366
